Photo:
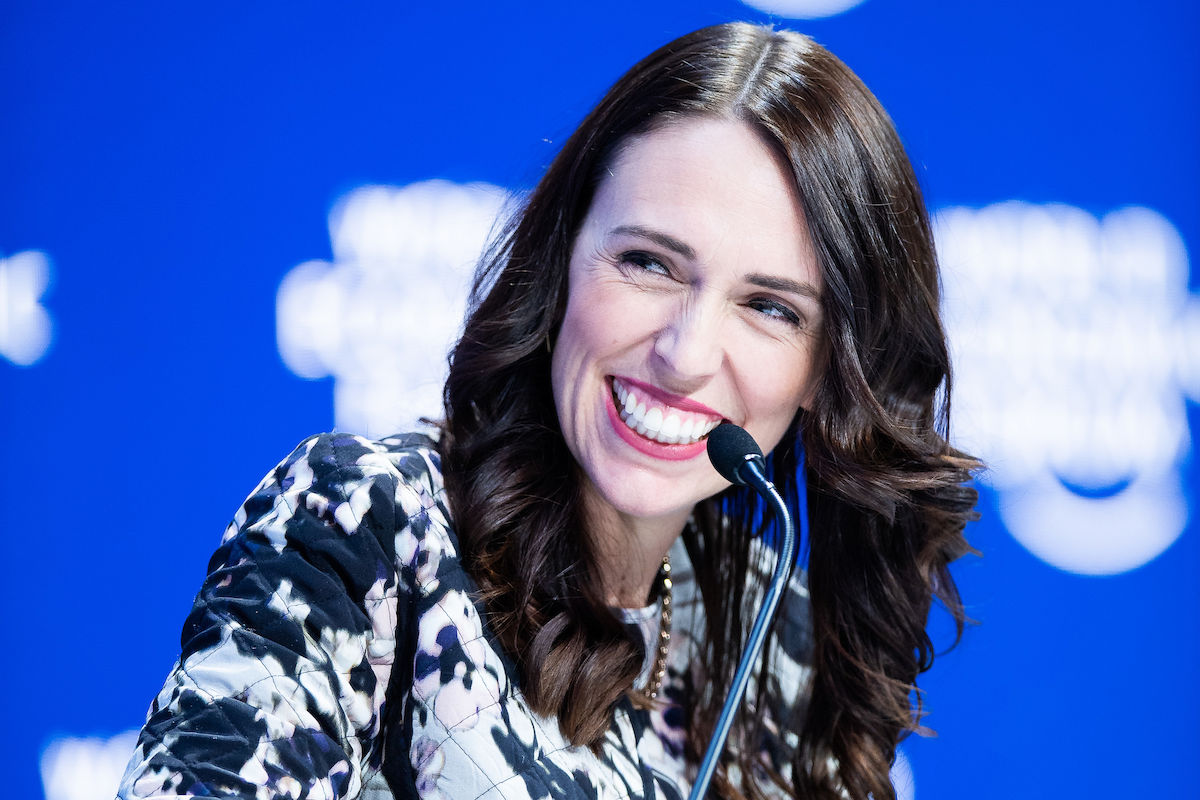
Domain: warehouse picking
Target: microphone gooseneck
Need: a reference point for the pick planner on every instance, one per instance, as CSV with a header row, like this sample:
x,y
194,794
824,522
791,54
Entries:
x,y
739,459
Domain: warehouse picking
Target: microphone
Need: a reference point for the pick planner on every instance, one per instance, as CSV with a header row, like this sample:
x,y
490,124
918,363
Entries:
x,y
739,459
735,454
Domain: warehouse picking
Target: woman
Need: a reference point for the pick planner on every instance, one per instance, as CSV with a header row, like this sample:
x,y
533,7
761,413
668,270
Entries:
x,y
733,233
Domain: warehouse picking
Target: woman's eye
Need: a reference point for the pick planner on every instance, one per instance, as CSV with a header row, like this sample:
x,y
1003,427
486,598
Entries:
x,y
775,310
646,262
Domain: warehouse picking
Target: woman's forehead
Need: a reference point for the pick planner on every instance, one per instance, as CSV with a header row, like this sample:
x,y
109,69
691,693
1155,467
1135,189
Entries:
x,y
713,184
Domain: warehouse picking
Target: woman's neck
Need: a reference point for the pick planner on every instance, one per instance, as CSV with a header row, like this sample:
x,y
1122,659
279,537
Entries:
x,y
630,550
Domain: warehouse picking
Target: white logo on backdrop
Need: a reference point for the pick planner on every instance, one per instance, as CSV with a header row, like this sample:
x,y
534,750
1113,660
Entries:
x,y
25,326
1076,343
803,9
85,768
382,317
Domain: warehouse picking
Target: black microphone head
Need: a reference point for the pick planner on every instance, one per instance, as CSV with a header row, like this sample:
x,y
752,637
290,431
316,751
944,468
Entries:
x,y
729,447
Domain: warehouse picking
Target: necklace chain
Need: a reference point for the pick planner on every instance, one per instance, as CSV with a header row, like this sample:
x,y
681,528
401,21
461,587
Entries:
x,y
659,671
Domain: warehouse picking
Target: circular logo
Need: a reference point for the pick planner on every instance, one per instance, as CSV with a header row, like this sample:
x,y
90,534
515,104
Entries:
x,y
803,9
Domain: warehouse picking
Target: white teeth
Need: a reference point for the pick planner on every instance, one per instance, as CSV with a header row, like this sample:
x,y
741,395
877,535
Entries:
x,y
670,429
655,423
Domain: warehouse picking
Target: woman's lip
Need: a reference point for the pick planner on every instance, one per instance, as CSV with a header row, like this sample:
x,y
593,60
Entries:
x,y
674,400
666,452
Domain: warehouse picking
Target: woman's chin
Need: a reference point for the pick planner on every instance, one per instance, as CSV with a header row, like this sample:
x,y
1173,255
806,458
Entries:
x,y
648,498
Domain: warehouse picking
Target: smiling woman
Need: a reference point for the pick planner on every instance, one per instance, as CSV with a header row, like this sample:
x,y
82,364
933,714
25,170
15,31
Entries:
x,y
548,597
669,315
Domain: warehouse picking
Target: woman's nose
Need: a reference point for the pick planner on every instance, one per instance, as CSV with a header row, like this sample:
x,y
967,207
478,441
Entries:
x,y
689,348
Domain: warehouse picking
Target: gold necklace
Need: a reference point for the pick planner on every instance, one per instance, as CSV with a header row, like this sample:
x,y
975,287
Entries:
x,y
659,671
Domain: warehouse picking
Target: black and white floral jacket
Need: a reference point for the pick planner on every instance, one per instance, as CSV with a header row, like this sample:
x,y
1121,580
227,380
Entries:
x,y
336,651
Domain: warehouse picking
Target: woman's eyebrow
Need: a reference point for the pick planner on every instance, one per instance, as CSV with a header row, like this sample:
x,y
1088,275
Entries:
x,y
658,237
778,284
772,282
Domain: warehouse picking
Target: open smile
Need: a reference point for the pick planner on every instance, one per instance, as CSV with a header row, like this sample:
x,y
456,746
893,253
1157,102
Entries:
x,y
658,424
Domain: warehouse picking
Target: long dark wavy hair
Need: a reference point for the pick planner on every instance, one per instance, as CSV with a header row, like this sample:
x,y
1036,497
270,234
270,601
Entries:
x,y
888,498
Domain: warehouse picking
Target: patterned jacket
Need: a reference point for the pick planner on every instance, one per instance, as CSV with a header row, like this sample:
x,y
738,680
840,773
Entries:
x,y
336,650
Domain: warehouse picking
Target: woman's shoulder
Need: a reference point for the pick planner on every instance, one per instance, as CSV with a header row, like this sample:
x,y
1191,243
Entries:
x,y
347,478
288,651
411,456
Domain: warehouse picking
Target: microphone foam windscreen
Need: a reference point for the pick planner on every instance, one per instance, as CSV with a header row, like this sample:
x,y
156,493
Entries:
x,y
728,446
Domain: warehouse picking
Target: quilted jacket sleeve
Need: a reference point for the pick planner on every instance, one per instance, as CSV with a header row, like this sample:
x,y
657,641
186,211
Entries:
x,y
287,653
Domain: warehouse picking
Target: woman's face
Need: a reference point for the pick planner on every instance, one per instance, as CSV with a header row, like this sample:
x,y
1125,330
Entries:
x,y
694,298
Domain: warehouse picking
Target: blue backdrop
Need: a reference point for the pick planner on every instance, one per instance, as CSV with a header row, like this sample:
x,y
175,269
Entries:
x,y
192,199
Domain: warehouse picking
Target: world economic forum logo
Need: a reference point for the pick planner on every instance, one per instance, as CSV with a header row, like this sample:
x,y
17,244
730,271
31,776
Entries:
x,y
26,329
381,317
1076,346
